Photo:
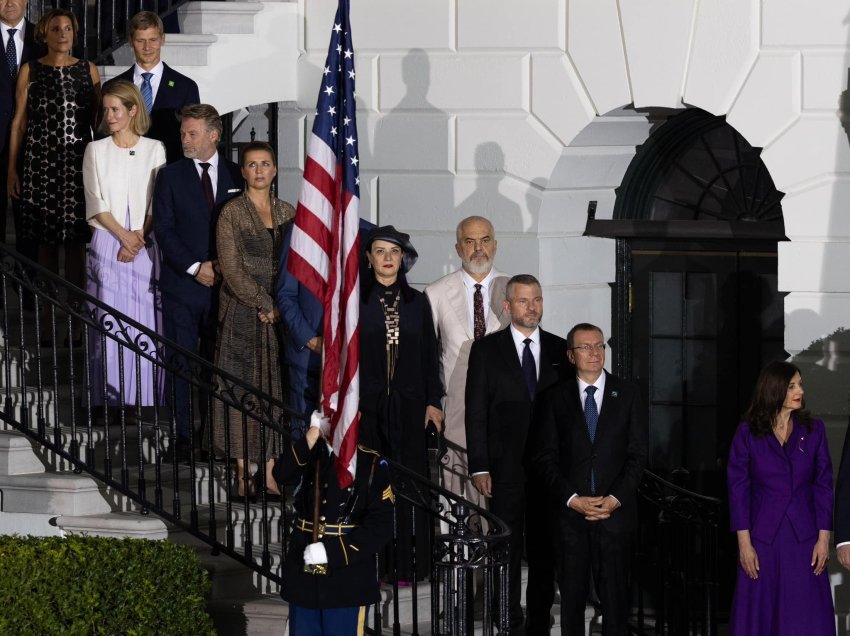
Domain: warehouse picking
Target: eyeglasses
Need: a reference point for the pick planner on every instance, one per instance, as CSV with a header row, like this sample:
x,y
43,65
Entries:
x,y
599,347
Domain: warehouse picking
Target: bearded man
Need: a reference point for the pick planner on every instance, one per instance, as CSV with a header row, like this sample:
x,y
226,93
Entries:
x,y
466,305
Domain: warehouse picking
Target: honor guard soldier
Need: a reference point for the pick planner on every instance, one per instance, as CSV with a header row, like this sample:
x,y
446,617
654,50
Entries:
x,y
329,577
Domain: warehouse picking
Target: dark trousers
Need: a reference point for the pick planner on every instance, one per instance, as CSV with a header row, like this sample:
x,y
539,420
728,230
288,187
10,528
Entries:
x,y
193,327
303,368
591,548
23,246
540,531
339,621
508,503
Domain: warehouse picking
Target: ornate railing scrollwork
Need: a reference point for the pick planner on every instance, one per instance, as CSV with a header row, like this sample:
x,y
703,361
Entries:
x,y
676,569
48,395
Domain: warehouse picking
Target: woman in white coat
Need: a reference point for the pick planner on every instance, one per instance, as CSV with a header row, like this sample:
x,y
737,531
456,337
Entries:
x,y
118,174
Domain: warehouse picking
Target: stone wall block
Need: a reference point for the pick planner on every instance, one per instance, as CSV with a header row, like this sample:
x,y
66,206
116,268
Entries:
x,y
558,99
533,24
657,36
595,45
725,44
770,99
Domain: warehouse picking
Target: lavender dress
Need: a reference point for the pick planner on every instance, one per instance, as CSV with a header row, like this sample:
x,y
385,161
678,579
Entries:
x,y
122,179
783,496
130,288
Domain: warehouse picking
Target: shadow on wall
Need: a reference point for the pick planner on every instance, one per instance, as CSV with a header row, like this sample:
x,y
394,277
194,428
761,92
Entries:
x,y
408,169
412,170
411,139
826,361
825,367
486,199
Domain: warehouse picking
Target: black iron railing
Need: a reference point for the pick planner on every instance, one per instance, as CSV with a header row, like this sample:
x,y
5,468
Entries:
x,y
49,394
676,567
103,23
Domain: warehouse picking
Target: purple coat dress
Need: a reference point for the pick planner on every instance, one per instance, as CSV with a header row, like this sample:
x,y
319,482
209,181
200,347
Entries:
x,y
783,496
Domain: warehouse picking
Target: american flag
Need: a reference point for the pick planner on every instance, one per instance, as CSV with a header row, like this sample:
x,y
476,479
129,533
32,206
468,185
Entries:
x,y
325,245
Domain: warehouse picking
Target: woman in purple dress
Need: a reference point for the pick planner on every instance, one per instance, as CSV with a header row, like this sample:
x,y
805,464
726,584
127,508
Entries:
x,y
118,173
780,504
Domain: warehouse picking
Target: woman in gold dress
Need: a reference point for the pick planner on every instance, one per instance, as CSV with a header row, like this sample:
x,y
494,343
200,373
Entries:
x,y
249,238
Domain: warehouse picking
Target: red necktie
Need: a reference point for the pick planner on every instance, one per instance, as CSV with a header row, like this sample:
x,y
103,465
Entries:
x,y
478,326
206,186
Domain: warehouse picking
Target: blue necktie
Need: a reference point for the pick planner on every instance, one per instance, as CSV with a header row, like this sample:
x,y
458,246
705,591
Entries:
x,y
591,418
147,91
12,54
529,369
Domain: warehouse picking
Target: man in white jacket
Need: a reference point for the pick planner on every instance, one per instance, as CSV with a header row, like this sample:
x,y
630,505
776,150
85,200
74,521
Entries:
x,y
466,304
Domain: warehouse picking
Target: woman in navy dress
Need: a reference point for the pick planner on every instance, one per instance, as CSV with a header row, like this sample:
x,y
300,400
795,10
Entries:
x,y
780,504
400,387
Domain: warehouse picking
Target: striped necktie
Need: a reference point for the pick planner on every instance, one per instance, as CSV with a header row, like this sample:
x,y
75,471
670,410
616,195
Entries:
x,y
147,91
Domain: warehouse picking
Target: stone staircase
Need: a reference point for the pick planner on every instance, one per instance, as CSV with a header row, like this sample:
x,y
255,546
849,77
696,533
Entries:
x,y
239,53
40,494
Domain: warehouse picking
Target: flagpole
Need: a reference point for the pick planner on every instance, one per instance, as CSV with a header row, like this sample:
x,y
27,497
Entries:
x,y
318,568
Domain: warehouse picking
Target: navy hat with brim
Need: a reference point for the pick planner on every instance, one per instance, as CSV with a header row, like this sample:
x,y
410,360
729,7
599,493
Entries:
x,y
391,235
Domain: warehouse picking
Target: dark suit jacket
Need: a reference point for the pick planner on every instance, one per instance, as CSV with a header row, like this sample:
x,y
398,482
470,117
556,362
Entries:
x,y
498,406
175,91
300,311
565,456
842,495
185,230
30,51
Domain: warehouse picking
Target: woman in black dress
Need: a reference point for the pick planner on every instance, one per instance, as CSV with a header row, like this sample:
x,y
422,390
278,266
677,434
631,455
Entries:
x,y
56,99
400,388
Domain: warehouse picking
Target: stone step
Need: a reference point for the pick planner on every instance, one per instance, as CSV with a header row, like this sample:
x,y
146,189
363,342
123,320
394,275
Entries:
x,y
244,523
17,456
266,616
114,524
180,49
24,366
232,580
54,493
217,17
52,404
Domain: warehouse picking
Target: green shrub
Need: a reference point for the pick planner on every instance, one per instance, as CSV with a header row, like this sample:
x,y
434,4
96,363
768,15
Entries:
x,y
94,585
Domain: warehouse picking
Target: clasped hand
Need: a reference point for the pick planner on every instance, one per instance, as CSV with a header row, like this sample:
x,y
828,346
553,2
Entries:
x,y
132,242
594,508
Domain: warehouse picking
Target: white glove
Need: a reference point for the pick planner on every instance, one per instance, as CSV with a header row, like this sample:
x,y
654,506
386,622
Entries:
x,y
315,554
321,422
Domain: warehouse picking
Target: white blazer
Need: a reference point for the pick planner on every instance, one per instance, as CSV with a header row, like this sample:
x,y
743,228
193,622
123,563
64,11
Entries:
x,y
115,178
451,321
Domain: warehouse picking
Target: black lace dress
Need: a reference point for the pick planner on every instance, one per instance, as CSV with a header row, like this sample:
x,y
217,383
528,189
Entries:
x,y
59,111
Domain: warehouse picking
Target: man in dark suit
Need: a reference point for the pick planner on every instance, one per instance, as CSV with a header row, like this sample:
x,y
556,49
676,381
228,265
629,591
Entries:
x,y
507,369
301,313
167,90
187,198
591,455
19,46
841,525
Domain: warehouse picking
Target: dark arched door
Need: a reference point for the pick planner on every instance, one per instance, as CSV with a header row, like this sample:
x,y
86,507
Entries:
x,y
696,306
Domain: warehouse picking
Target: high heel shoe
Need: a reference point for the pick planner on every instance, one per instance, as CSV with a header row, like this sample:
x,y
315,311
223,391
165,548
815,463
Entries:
x,y
251,495
271,486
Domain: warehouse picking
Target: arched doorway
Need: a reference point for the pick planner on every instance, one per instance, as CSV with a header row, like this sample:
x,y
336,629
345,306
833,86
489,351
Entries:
x,y
696,311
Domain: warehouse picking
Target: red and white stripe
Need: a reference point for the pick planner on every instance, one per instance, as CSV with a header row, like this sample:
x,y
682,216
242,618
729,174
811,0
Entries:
x,y
324,257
